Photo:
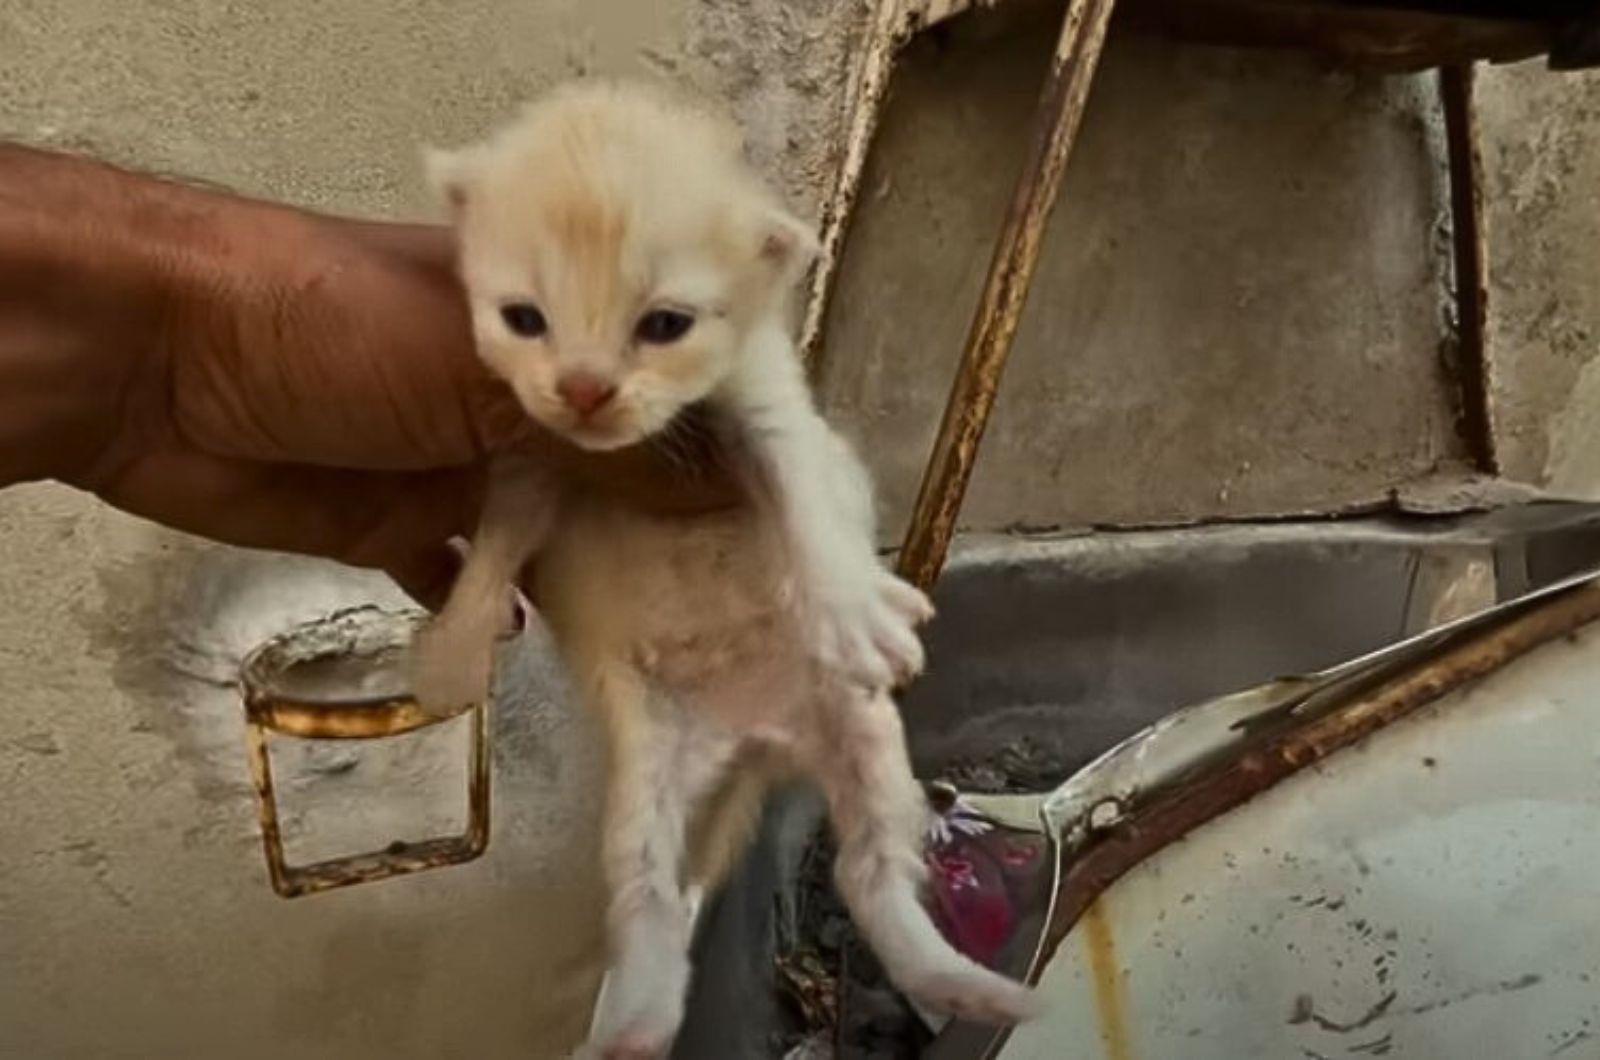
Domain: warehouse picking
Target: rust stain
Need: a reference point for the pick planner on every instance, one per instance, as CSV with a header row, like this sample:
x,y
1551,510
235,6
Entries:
x,y
343,721
1110,996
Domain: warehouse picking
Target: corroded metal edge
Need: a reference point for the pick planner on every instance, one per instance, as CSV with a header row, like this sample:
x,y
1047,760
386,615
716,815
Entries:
x,y
1161,817
1208,738
356,720
894,24
1060,111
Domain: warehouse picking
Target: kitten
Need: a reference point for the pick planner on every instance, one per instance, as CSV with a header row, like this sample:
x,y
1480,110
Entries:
x,y
624,262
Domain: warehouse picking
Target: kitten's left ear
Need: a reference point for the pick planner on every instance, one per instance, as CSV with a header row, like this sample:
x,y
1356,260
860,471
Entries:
x,y
450,175
788,245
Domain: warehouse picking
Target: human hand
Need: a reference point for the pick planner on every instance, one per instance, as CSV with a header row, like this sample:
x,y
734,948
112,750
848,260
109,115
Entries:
x,y
263,376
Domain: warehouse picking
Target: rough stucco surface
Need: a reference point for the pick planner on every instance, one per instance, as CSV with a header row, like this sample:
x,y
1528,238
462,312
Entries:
x,y
133,900
1542,178
1238,311
328,104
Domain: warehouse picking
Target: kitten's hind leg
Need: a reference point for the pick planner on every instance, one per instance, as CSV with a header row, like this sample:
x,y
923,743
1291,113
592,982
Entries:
x,y
662,766
879,814
452,659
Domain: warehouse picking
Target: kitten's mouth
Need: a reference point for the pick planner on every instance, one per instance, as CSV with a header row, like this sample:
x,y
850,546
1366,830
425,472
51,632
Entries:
x,y
598,437
609,428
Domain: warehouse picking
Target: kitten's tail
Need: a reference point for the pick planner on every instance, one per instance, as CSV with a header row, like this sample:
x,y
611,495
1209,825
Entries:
x,y
879,812
883,896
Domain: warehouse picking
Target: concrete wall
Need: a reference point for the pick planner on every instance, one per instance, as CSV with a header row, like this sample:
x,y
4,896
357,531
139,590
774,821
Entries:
x,y
1239,305
1542,161
1239,312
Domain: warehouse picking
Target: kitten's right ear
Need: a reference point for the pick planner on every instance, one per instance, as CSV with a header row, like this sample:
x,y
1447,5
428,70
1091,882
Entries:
x,y
450,176
789,244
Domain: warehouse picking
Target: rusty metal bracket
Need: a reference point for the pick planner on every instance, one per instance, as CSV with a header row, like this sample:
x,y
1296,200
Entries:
x,y
341,678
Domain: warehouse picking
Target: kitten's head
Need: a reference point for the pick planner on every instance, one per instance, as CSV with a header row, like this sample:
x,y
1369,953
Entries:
x,y
617,249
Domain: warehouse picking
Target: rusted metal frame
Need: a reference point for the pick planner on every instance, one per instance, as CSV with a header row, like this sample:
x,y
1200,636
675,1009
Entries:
x,y
1469,245
270,709
1169,815
399,858
966,413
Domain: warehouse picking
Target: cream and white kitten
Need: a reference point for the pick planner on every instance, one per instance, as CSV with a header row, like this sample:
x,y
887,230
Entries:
x,y
623,262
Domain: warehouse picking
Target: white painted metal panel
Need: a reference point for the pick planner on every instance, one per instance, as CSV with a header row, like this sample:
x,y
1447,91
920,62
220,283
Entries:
x,y
1432,892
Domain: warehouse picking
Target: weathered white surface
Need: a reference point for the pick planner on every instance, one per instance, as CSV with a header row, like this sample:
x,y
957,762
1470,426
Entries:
x,y
1542,182
1427,894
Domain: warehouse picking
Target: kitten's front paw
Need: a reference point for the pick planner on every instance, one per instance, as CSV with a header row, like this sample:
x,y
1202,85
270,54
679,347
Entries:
x,y
868,630
451,669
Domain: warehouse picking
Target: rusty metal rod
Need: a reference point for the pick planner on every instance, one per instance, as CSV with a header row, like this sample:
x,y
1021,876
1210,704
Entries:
x,y
1467,237
966,413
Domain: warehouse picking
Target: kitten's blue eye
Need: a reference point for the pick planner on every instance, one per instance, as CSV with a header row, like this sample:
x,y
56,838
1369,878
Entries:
x,y
661,326
524,318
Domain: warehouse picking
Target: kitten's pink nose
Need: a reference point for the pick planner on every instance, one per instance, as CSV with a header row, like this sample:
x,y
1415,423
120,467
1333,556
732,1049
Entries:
x,y
585,393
